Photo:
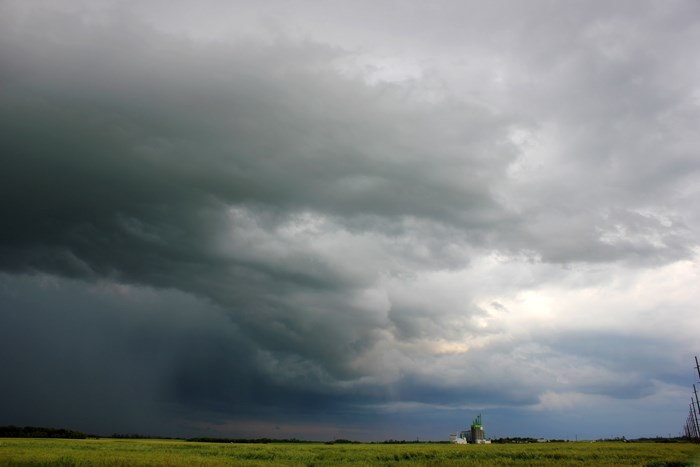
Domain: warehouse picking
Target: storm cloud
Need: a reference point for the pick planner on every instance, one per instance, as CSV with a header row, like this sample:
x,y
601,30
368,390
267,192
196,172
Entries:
x,y
343,218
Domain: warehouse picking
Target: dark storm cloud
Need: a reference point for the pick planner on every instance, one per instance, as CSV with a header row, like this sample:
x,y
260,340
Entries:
x,y
155,360
142,359
128,150
313,238
163,134
72,352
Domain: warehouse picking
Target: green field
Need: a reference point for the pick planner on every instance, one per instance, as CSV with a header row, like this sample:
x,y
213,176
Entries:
x,y
116,452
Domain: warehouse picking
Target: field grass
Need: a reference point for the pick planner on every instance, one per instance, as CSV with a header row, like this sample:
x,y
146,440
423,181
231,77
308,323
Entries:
x,y
116,452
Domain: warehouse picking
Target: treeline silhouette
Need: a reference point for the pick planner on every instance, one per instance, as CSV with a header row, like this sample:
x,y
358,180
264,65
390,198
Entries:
x,y
11,431
137,436
249,440
407,441
514,440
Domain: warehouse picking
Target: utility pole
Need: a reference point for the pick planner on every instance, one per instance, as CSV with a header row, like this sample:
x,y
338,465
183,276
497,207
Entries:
x,y
692,424
697,403
689,429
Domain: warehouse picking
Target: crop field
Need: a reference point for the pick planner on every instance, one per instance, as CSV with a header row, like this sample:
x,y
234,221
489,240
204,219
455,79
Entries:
x,y
116,452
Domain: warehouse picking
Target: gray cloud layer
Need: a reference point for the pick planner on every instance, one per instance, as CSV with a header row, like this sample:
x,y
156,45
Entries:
x,y
321,226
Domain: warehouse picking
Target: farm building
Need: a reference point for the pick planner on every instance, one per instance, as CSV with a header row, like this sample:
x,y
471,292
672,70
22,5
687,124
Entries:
x,y
475,435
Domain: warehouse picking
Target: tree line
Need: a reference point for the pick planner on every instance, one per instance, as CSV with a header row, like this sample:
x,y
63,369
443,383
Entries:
x,y
11,431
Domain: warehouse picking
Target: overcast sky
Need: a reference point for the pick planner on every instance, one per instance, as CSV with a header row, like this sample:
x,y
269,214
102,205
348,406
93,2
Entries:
x,y
357,219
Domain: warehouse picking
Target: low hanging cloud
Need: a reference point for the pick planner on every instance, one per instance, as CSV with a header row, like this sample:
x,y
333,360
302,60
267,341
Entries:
x,y
291,230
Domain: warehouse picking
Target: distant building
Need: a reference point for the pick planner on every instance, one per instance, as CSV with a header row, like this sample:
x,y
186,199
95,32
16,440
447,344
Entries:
x,y
476,435
477,431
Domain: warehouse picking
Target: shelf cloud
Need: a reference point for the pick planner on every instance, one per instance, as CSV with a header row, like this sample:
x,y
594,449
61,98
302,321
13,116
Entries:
x,y
366,220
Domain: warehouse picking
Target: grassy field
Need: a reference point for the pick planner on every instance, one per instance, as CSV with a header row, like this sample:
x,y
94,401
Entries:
x,y
115,452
